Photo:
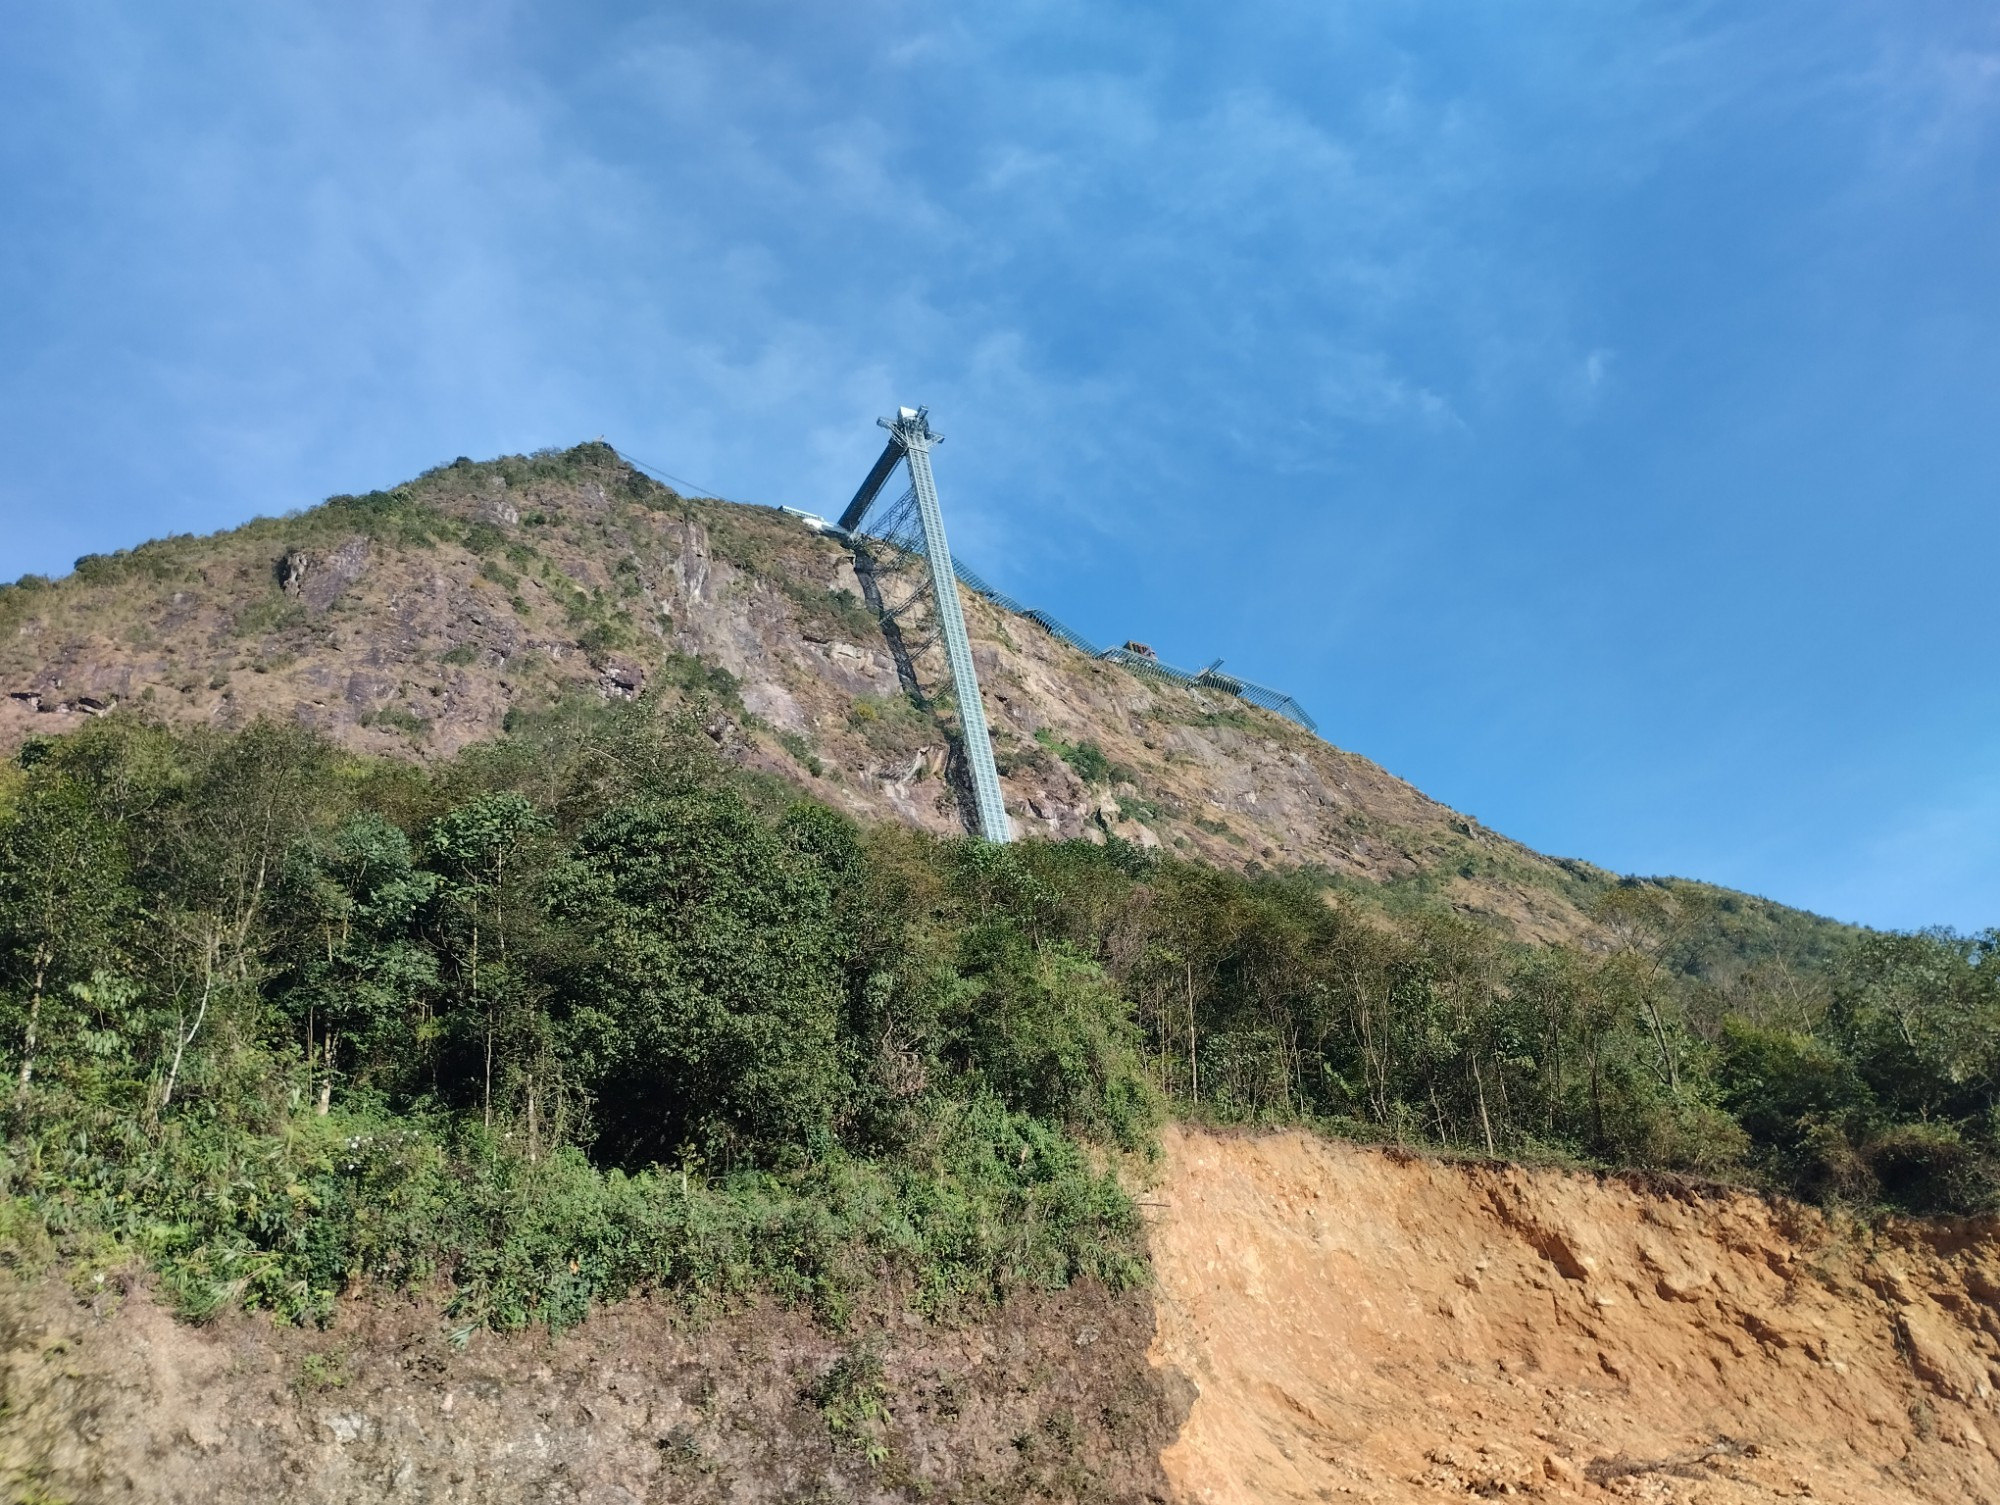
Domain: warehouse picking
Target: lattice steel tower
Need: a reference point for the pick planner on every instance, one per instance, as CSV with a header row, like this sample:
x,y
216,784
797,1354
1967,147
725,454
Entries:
x,y
910,441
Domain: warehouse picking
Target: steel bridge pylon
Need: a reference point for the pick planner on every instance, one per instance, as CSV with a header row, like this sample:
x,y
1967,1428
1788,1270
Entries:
x,y
910,441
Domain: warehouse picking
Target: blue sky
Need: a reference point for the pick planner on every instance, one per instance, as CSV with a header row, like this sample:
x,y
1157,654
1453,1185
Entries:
x,y
1588,410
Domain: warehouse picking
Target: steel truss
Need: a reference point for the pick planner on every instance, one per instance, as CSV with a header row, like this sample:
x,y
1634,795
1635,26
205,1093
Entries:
x,y
914,528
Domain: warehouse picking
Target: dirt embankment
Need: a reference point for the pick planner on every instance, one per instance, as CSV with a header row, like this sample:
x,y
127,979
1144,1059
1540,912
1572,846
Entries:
x,y
1357,1326
1367,1327
114,1401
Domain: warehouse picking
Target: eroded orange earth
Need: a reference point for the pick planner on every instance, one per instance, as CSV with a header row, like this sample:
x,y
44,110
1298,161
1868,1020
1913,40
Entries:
x,y
1362,1325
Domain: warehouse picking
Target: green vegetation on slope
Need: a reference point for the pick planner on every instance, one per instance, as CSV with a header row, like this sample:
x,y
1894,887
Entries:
x,y
584,1011
578,1014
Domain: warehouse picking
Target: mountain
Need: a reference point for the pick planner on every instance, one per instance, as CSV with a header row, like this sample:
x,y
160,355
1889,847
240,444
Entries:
x,y
412,622
538,1101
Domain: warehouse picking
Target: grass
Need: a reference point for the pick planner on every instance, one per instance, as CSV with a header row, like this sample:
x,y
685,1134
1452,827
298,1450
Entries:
x,y
398,719
802,752
1133,807
268,616
892,725
1220,828
1088,760
1012,756
697,679
833,614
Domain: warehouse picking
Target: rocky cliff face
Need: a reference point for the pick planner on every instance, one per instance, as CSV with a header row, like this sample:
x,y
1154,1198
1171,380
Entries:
x,y
413,622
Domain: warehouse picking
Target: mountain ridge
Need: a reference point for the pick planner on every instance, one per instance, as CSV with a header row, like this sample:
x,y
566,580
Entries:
x,y
414,621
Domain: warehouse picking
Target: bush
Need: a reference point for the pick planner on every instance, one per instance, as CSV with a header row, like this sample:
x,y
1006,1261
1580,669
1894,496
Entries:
x,y
1929,1168
697,679
832,613
284,1222
1086,758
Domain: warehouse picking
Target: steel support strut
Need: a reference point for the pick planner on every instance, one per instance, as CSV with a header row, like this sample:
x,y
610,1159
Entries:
x,y
910,433
872,486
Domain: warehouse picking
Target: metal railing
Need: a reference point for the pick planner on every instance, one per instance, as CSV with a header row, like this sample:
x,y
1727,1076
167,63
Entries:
x,y
903,530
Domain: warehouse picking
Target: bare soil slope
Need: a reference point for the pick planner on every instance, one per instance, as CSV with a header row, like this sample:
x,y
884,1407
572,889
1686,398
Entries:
x,y
1379,1328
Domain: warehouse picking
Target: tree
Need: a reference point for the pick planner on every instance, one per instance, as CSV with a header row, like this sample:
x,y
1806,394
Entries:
x,y
474,846
63,893
215,842
709,1003
1657,928
1920,1015
1045,1029
361,972
1462,974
